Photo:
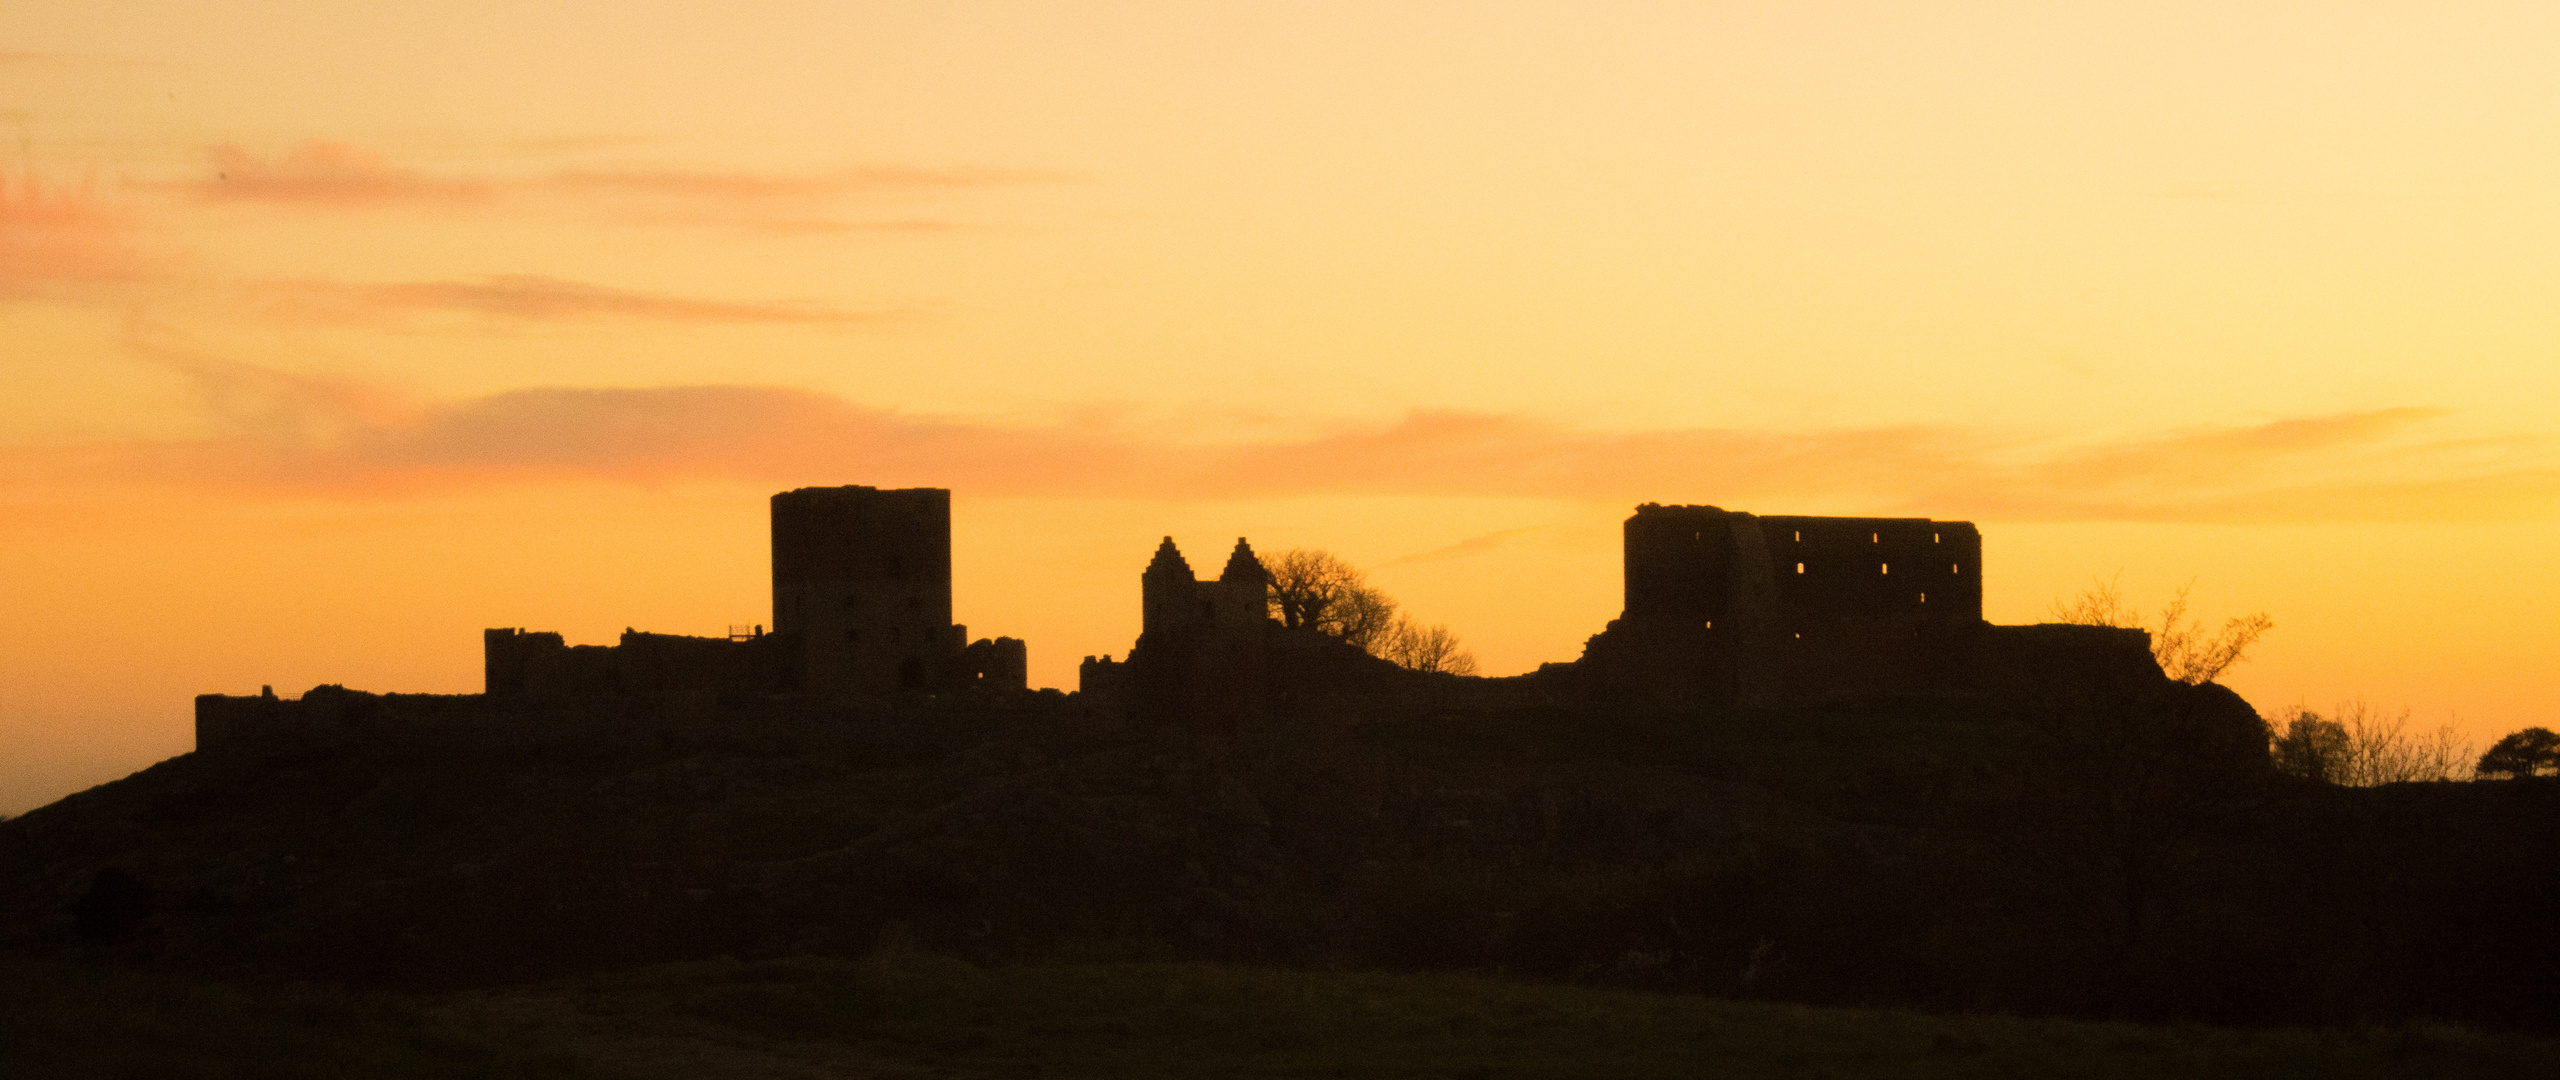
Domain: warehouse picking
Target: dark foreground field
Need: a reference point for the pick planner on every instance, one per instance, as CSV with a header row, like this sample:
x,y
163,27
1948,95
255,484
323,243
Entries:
x,y
916,1015
2090,880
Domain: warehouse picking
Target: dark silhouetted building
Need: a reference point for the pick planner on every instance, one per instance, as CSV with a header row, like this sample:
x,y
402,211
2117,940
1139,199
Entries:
x,y
861,605
1725,608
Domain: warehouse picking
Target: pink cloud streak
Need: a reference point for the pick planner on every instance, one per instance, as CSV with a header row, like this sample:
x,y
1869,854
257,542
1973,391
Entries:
x,y
339,175
339,442
50,234
330,174
533,297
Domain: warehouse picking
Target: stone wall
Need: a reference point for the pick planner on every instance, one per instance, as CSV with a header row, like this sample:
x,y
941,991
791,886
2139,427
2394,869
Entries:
x,y
997,664
1725,608
325,715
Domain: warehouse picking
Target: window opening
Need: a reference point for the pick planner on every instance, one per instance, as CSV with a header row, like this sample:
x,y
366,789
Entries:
x,y
1799,568
1884,568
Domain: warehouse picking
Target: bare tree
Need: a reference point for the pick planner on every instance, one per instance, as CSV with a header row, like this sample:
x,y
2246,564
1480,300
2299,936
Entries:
x,y
1308,586
1361,617
1427,648
1313,590
2101,604
2360,746
2185,650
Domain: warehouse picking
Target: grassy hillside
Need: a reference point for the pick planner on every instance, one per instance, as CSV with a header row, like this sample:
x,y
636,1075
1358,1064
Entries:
x,y
919,1015
2078,857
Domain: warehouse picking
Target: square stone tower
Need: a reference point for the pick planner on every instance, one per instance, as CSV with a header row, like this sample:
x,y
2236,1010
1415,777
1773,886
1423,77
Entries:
x,y
862,589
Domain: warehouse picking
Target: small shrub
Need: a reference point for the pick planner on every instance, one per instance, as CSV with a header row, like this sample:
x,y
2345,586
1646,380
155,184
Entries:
x,y
2186,651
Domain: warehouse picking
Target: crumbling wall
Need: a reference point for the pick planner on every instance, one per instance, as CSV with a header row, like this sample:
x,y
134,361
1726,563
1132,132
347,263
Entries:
x,y
1908,569
325,715
998,664
538,665
1103,682
522,663
1725,608
1695,564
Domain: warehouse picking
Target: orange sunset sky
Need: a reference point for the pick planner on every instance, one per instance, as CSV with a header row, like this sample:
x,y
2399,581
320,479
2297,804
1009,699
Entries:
x,y
333,332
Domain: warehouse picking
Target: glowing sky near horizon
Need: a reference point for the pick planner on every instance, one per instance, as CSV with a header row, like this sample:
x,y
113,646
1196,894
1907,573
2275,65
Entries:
x,y
331,333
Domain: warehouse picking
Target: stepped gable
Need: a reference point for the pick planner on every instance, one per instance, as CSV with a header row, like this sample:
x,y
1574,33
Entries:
x,y
1200,655
1242,565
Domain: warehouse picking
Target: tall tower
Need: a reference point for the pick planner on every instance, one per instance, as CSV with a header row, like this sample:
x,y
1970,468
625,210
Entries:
x,y
862,588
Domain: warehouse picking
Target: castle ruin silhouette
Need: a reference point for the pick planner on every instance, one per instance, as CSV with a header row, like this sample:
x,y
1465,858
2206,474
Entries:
x,y
1723,610
861,605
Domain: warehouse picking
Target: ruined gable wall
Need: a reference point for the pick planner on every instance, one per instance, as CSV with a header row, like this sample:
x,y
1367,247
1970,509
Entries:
x,y
1168,593
1868,568
1679,564
1200,659
1175,601
1724,606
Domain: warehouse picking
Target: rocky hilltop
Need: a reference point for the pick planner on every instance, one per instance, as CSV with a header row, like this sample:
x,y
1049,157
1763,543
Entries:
x,y
2100,848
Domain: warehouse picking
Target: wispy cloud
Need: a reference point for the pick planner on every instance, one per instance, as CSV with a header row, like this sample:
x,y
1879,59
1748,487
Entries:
x,y
533,297
833,202
334,439
754,186
24,58
1473,545
53,234
339,175
789,225
330,174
